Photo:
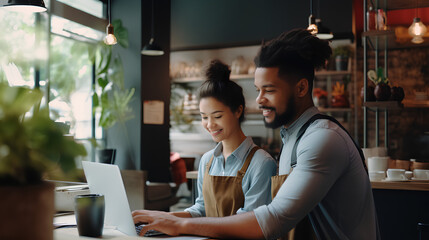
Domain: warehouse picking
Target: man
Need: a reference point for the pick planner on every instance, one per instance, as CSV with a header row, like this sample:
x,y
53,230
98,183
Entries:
x,y
326,177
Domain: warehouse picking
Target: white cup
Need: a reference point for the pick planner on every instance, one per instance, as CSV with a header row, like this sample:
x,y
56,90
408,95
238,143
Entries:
x,y
408,174
396,174
421,174
378,163
377,175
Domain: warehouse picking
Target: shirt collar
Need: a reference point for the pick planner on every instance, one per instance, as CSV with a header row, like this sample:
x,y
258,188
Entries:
x,y
297,124
239,153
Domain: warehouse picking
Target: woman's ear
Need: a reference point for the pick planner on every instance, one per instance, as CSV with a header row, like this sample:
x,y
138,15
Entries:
x,y
301,87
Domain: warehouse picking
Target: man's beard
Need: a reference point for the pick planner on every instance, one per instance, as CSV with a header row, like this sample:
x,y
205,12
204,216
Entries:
x,y
284,118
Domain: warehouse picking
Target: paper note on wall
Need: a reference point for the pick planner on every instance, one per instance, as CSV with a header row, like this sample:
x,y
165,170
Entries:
x,y
153,112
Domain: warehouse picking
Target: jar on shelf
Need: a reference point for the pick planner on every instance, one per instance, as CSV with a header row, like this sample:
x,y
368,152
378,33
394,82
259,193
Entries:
x,y
381,20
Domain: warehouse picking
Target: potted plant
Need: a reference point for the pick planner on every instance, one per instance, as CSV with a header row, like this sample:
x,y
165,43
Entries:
x,y
382,89
110,97
339,96
320,97
341,55
32,148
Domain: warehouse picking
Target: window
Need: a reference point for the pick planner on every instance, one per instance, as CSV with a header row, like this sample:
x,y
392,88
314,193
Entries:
x,y
51,52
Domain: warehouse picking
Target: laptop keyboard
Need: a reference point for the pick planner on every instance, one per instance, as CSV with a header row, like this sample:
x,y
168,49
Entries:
x,y
149,233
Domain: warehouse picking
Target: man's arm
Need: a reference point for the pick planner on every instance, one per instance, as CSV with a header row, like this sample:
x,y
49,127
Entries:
x,y
244,226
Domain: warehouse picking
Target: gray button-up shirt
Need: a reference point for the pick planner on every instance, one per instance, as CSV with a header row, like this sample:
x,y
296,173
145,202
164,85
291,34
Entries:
x,y
329,179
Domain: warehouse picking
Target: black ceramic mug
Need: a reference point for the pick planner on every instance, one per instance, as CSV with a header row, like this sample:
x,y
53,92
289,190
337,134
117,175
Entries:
x,y
89,212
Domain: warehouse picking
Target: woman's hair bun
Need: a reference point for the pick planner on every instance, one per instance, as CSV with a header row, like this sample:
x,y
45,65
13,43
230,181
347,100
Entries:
x,y
217,71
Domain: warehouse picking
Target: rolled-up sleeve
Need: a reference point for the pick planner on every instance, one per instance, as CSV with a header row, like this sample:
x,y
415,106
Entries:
x,y
321,160
198,209
257,187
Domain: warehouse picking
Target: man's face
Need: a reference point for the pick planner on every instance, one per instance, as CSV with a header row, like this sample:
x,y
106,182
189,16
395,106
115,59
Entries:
x,y
276,97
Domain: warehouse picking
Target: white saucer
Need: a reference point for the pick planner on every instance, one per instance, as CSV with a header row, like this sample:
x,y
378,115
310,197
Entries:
x,y
419,180
394,180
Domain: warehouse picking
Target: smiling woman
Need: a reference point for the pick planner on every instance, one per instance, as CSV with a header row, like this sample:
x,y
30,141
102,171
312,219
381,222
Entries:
x,y
234,177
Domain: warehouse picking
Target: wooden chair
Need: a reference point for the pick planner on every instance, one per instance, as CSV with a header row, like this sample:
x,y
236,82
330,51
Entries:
x,y
147,195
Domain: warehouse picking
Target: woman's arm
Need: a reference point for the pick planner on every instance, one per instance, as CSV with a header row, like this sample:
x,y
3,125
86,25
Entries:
x,y
181,214
257,181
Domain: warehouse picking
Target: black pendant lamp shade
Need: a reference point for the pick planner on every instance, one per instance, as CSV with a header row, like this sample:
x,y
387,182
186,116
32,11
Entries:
x,y
25,5
323,32
152,49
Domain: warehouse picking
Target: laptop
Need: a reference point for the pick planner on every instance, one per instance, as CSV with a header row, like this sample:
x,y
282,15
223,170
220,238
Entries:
x,y
106,179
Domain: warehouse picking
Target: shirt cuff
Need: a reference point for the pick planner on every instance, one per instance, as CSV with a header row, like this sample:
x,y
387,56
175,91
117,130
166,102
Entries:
x,y
262,216
193,212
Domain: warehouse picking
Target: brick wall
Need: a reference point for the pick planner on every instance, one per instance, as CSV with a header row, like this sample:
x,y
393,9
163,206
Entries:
x,y
408,68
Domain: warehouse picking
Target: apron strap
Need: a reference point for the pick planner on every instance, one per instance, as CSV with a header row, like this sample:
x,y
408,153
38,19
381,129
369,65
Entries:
x,y
246,164
304,128
209,164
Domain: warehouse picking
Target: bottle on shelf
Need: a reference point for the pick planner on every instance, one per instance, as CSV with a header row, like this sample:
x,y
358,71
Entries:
x,y
371,19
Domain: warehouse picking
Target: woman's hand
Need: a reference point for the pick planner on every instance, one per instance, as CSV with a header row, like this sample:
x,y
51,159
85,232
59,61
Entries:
x,y
160,221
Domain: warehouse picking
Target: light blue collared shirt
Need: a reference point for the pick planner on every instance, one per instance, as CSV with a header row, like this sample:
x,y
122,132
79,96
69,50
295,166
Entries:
x,y
256,182
329,179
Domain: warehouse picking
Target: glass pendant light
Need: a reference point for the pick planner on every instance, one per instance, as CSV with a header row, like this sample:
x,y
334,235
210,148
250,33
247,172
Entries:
x,y
25,5
417,30
152,49
110,38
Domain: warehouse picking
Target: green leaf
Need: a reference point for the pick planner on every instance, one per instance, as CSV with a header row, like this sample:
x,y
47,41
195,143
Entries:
x,y
102,82
121,33
95,102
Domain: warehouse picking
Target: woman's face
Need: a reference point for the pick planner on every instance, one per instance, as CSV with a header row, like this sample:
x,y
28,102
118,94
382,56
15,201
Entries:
x,y
218,119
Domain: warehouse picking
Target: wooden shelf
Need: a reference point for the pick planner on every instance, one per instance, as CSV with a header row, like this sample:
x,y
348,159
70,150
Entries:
x,y
416,103
389,105
387,39
201,79
197,112
251,76
335,109
399,4
324,73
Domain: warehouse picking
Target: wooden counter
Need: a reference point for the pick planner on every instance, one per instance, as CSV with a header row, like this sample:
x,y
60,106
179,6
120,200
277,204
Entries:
x,y
408,185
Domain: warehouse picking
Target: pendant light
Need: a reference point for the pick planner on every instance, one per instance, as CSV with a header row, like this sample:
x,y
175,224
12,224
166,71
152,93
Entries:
x,y
152,49
312,27
110,38
417,29
323,32
25,5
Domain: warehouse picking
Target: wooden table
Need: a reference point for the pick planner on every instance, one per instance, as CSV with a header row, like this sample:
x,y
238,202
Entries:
x,y
109,232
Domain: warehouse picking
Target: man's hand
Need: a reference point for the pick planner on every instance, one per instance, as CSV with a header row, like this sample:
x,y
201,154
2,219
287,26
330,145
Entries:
x,y
159,221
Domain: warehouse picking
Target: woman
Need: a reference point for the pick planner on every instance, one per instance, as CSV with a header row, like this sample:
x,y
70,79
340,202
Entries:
x,y
233,177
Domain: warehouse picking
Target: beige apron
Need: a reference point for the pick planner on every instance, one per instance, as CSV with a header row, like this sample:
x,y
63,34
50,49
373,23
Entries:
x,y
303,230
223,195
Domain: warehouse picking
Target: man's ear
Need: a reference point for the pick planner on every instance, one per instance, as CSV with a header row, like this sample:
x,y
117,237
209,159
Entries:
x,y
301,87
239,111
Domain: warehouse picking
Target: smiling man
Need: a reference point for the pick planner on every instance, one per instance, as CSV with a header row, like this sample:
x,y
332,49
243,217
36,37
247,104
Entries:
x,y
323,178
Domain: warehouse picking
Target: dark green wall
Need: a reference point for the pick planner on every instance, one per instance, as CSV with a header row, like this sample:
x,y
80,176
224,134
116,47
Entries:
x,y
208,23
